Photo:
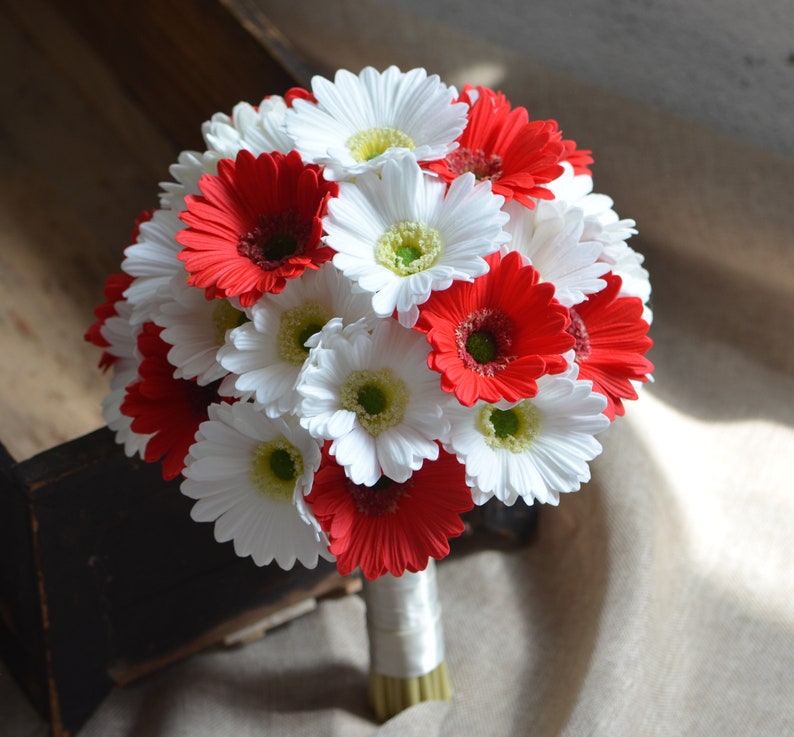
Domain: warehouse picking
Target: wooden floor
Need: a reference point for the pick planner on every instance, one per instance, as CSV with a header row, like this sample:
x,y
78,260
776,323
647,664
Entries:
x,y
80,158
78,161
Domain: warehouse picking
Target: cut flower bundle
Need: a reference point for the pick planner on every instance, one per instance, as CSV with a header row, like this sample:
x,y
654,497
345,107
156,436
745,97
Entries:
x,y
363,309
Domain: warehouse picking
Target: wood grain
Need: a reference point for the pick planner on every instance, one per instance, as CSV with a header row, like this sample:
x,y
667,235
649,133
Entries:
x,y
79,160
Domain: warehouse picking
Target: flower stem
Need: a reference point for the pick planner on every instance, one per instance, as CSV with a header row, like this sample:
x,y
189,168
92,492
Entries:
x,y
389,696
406,642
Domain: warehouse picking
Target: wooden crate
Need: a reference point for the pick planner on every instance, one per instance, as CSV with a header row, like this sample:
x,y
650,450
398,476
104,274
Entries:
x,y
105,578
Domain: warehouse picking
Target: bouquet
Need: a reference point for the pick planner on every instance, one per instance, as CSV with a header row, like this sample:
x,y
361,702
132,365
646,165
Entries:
x,y
363,309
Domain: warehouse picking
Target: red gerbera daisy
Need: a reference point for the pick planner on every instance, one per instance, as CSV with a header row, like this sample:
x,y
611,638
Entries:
x,y
502,145
579,158
256,224
171,409
493,337
391,527
611,340
298,93
115,286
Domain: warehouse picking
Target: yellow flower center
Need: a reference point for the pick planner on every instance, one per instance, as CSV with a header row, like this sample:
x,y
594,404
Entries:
x,y
372,142
407,248
225,317
297,326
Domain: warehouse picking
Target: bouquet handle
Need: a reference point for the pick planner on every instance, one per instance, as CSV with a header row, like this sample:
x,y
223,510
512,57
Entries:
x,y
404,626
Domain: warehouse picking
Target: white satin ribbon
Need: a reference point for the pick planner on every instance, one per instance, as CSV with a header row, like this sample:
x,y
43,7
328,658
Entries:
x,y
404,623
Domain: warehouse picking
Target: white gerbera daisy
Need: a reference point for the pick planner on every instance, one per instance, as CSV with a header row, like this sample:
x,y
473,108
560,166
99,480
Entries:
x,y
121,336
403,234
551,238
189,168
249,474
601,223
360,122
373,395
267,354
153,261
196,328
636,282
577,191
256,129
536,448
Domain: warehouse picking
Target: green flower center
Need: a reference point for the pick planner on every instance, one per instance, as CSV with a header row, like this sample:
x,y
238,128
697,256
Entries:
x,y
224,318
407,248
484,340
372,142
513,429
297,326
275,467
482,346
378,399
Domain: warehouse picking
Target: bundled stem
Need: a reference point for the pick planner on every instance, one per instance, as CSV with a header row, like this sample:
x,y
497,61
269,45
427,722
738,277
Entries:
x,y
406,642
389,696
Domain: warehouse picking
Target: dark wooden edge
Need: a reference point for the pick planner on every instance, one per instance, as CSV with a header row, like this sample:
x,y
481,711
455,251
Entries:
x,y
22,631
106,578
181,60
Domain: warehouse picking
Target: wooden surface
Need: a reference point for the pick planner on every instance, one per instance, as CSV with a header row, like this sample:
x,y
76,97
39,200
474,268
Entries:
x,y
79,160
97,101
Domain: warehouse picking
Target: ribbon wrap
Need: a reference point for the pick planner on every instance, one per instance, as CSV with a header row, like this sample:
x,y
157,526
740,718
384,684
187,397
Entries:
x,y
404,623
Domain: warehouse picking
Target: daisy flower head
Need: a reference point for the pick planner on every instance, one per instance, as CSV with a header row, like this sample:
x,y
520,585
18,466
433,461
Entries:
x,y
500,144
404,234
611,341
579,159
115,285
551,237
115,305
268,353
602,224
257,129
255,225
359,122
119,337
248,474
391,527
298,93
493,338
168,409
189,167
152,261
195,327
534,449
372,395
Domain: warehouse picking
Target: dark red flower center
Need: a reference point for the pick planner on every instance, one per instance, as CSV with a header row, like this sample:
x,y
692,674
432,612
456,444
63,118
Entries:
x,y
578,330
274,239
484,341
482,165
382,498
198,398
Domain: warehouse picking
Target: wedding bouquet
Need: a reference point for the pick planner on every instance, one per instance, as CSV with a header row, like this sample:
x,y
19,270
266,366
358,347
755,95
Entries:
x,y
363,309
